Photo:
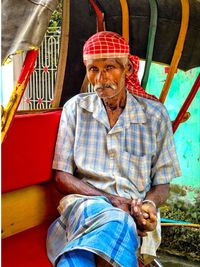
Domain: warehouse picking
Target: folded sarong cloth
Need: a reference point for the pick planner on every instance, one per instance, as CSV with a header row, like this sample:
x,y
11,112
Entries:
x,y
93,224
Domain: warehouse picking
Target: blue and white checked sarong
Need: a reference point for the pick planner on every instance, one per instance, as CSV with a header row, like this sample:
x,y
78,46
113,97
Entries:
x,y
92,224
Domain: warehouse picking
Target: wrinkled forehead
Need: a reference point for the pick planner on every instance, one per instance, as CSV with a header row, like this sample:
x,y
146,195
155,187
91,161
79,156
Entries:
x,y
105,61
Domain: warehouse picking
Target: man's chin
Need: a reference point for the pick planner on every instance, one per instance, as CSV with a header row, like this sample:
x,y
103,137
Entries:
x,y
106,93
104,96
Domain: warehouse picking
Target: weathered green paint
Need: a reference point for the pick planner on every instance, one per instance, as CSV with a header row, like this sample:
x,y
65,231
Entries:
x,y
187,136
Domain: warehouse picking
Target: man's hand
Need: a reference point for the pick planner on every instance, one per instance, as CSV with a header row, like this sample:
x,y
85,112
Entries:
x,y
150,214
144,215
69,184
121,203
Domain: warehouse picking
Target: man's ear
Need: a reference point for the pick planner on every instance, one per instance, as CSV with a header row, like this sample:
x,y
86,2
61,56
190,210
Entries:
x,y
129,68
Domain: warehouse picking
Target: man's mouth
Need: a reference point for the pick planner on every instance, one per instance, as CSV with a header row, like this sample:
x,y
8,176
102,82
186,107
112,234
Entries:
x,y
104,86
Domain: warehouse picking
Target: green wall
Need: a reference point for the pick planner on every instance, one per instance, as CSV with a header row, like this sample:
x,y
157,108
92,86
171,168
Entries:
x,y
187,136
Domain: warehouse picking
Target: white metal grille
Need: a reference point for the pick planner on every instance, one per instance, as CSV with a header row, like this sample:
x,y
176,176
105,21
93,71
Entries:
x,y
40,89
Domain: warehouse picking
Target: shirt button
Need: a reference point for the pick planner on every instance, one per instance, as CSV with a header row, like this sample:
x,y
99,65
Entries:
x,y
112,154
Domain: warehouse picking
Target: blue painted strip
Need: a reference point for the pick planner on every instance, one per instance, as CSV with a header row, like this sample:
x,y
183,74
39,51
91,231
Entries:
x,y
173,221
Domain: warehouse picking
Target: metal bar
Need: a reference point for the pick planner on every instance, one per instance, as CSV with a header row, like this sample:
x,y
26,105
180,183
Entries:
x,y
64,42
186,104
125,20
181,225
151,41
18,91
178,50
100,16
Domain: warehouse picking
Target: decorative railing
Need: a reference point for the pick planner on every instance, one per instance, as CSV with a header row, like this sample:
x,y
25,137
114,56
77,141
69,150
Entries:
x,y
40,89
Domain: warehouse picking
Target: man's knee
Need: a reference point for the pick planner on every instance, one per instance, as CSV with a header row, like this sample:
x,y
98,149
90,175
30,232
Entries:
x,y
77,258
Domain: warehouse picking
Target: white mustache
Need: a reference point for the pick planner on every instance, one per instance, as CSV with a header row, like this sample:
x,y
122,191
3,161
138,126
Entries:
x,y
105,86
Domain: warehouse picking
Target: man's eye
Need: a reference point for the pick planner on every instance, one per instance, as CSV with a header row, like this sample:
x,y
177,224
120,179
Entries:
x,y
109,67
93,69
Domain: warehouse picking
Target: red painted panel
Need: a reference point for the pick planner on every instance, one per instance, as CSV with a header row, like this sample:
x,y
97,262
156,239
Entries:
x,y
27,151
26,249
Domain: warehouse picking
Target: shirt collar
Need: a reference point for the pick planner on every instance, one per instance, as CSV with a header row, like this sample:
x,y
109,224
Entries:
x,y
92,103
133,112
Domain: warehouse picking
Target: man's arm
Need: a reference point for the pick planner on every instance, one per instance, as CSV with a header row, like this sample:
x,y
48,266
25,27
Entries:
x,y
158,194
145,212
66,183
165,166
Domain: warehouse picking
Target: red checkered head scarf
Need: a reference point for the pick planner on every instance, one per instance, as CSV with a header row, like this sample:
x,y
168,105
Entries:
x,y
106,44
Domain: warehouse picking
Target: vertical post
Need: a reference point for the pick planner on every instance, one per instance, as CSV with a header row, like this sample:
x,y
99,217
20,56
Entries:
x,y
178,50
18,91
186,104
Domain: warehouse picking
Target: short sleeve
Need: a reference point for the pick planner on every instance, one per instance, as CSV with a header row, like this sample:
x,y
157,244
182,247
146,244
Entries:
x,y
165,164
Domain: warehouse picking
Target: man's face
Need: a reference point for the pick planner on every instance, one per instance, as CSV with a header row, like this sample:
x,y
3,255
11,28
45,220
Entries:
x,y
107,76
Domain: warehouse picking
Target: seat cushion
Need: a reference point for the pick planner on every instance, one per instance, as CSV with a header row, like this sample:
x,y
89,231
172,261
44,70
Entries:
x,y
27,248
28,149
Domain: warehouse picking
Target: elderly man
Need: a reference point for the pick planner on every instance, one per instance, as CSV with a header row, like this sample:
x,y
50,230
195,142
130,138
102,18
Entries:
x,y
114,159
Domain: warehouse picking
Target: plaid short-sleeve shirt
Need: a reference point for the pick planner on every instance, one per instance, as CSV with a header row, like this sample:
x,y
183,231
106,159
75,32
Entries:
x,y
126,160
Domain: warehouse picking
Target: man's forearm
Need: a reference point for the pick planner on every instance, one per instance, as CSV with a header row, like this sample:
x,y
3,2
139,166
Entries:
x,y
69,184
158,194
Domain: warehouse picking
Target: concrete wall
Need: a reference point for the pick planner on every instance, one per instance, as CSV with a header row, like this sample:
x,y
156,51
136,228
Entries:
x,y
187,136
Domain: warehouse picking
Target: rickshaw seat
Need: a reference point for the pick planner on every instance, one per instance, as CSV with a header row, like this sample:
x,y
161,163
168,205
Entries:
x,y
26,248
28,150
29,198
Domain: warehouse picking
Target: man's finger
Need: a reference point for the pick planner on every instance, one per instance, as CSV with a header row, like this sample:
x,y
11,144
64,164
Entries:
x,y
141,233
146,215
139,202
149,226
133,202
153,217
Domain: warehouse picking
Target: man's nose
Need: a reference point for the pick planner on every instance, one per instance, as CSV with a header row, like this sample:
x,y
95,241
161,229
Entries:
x,y
101,76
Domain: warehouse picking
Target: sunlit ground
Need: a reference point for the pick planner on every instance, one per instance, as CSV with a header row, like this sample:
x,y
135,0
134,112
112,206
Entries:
x,y
173,261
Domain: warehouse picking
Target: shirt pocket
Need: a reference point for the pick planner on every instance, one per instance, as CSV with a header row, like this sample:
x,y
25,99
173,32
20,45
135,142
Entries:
x,y
135,169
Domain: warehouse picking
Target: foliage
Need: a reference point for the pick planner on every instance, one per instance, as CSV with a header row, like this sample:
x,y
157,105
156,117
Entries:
x,y
56,18
183,241
181,206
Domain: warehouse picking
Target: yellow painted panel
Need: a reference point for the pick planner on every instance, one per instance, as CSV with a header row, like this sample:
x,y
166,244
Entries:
x,y
28,207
